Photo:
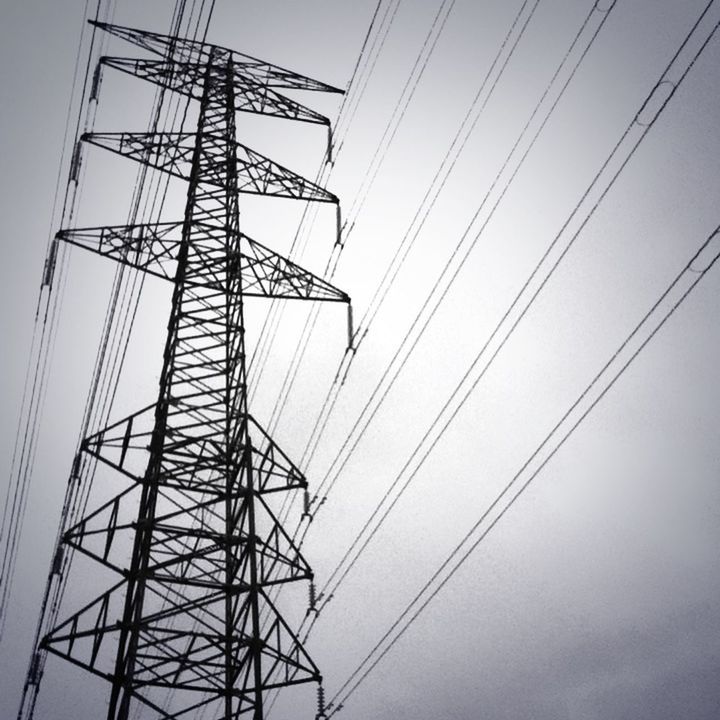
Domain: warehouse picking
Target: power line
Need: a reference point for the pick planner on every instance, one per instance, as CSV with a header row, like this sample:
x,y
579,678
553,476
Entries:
x,y
673,296
410,86
405,348
467,126
674,73
352,99
503,56
408,91
411,234
518,22
34,389
324,593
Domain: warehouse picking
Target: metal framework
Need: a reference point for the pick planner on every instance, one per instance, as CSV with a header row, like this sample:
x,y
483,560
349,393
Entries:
x,y
190,612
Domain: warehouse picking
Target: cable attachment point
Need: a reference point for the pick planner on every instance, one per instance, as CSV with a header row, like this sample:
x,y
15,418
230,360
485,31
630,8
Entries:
x,y
76,162
97,80
58,560
351,333
604,6
322,601
312,600
34,674
306,506
50,262
75,472
707,255
329,154
321,714
340,225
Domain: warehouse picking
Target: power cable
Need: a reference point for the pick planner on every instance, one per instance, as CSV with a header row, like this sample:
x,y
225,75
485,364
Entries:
x,y
673,75
331,399
362,74
683,284
486,83
427,204
411,84
347,359
34,391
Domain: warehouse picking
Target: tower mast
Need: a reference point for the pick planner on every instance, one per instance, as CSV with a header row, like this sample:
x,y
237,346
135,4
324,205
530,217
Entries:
x,y
191,612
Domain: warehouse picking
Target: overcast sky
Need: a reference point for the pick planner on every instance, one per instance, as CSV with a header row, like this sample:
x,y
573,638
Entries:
x,y
596,596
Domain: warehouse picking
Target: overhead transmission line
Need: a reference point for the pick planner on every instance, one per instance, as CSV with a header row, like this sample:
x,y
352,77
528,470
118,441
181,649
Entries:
x,y
40,352
589,30
613,369
651,108
366,59
418,68
466,127
116,355
436,294
377,160
486,89
363,70
153,200
410,86
483,95
408,92
116,332
73,491
411,234
270,329
58,260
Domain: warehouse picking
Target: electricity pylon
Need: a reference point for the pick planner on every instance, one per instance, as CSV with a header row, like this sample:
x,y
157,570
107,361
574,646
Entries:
x,y
190,613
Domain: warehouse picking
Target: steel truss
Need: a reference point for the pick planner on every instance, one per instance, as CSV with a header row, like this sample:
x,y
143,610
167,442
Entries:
x,y
191,613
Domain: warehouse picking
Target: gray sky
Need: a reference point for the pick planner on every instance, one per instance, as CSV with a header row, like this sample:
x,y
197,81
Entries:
x,y
596,596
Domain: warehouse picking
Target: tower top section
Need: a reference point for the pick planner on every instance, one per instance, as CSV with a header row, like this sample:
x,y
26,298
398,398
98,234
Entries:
x,y
192,51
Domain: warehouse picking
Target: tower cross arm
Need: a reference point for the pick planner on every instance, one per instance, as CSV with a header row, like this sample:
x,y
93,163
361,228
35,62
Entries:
x,y
172,152
187,78
200,52
154,248
268,274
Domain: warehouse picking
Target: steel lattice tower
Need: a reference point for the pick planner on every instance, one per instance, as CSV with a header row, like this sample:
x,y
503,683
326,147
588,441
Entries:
x,y
191,612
